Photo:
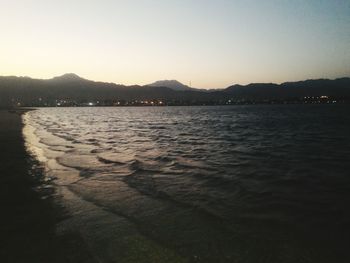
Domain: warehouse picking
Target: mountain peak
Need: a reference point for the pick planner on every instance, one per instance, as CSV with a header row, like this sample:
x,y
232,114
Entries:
x,y
172,84
68,77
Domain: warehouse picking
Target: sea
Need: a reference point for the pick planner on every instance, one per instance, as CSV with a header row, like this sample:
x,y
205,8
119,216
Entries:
x,y
245,183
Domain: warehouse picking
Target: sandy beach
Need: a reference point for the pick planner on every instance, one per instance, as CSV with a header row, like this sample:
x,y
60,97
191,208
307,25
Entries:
x,y
29,215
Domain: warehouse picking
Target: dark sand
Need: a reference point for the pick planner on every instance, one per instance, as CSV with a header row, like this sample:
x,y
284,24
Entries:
x,y
28,214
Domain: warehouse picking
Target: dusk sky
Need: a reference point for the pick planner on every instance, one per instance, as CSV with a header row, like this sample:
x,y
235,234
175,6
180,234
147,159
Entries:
x,y
211,44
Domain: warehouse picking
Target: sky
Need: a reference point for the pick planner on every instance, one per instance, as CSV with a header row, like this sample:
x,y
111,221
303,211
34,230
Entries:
x,y
210,44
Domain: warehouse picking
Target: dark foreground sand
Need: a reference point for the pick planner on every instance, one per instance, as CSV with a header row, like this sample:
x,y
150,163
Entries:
x,y
28,214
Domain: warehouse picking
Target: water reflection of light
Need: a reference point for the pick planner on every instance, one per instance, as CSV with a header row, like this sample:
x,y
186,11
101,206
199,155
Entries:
x,y
32,141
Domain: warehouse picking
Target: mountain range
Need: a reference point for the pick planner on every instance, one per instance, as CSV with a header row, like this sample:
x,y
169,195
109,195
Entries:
x,y
27,91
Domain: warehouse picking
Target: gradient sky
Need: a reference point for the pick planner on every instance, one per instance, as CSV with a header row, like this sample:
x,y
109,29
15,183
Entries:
x,y
213,44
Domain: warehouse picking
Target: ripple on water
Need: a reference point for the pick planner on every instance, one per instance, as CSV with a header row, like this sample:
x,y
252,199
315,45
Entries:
x,y
223,184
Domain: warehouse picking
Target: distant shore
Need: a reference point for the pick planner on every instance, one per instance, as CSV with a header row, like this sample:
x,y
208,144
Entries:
x,y
71,90
29,215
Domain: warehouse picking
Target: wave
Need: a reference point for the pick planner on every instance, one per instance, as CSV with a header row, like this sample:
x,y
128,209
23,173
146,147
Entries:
x,y
230,172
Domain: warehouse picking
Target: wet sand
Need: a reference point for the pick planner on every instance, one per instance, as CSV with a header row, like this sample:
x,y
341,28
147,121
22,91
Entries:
x,y
28,212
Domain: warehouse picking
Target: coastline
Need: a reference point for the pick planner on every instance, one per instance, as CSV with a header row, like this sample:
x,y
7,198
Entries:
x,y
29,213
129,220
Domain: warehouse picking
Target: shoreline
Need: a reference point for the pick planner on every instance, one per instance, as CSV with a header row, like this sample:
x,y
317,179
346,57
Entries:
x,y
29,213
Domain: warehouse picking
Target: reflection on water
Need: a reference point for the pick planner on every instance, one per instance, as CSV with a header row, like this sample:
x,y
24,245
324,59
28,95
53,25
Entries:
x,y
206,184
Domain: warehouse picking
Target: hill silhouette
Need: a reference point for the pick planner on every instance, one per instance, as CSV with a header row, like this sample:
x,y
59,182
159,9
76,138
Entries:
x,y
338,88
26,91
172,84
68,77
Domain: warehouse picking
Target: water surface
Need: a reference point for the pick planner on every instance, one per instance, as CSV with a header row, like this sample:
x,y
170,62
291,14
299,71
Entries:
x,y
201,184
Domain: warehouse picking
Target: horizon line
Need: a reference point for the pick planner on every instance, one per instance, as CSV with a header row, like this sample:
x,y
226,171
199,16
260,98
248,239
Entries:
x,y
115,83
